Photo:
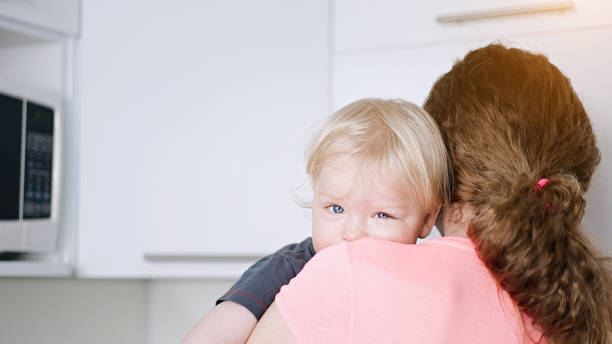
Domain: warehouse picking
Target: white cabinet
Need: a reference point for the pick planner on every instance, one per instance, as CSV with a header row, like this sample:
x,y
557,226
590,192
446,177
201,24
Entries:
x,y
364,25
408,73
583,55
57,16
194,120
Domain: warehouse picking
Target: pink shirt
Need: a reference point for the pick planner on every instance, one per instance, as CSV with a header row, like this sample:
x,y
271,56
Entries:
x,y
377,291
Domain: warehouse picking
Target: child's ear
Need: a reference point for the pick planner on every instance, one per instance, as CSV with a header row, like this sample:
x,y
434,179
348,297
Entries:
x,y
428,222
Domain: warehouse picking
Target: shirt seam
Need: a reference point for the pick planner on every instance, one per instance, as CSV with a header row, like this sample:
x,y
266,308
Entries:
x,y
244,293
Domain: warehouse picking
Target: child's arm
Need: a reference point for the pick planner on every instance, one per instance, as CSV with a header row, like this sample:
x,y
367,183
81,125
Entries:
x,y
250,296
228,322
271,329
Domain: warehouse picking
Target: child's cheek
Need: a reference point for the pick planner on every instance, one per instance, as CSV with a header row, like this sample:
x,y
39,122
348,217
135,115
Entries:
x,y
324,234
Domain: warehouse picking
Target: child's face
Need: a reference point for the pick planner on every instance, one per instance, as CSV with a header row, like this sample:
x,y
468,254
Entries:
x,y
350,203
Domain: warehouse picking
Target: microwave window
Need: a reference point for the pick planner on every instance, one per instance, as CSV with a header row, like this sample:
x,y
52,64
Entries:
x,y
38,162
11,121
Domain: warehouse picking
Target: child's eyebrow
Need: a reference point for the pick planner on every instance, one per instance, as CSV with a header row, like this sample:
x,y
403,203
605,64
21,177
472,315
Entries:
x,y
329,195
395,206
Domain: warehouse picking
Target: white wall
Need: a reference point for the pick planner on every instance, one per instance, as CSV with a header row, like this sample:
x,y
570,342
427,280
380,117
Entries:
x,y
175,306
66,311
71,311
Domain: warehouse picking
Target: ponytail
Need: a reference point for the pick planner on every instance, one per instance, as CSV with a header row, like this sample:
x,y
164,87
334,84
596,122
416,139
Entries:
x,y
532,243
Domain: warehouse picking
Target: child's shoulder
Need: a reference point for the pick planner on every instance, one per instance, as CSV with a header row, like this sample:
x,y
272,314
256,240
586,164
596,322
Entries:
x,y
296,253
304,246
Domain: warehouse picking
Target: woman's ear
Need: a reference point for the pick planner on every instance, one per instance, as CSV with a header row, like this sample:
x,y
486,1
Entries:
x,y
454,219
428,222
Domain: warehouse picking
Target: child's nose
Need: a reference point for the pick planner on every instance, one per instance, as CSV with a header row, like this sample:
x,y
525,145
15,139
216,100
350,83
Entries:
x,y
353,232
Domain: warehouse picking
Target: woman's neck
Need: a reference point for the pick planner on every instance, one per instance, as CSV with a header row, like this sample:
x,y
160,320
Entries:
x,y
456,232
455,220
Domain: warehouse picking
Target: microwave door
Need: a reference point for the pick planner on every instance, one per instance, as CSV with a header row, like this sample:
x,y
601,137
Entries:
x,y
11,139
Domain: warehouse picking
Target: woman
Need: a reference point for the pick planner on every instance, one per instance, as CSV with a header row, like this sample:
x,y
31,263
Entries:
x,y
522,151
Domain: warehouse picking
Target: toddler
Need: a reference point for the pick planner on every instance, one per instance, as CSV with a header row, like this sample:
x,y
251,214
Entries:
x,y
378,169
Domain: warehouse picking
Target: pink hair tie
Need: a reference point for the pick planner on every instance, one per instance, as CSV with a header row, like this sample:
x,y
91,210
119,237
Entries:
x,y
539,186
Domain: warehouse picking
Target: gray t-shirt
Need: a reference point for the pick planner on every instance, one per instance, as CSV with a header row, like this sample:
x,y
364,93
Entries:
x,y
260,283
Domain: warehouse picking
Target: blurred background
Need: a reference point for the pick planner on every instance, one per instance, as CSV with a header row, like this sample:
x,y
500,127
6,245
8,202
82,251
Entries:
x,y
179,130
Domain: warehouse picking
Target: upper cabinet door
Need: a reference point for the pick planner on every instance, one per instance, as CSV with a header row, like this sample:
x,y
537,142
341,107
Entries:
x,y
59,16
390,24
194,118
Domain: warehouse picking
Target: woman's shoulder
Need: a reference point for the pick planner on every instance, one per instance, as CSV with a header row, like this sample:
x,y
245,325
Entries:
x,y
373,248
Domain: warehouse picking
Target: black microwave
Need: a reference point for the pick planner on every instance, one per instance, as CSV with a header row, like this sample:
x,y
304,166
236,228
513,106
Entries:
x,y
29,171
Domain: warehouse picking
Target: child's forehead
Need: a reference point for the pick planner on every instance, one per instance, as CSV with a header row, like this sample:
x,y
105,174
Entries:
x,y
343,175
359,168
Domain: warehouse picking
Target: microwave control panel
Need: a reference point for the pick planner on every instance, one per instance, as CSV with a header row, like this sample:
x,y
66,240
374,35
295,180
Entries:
x,y
38,162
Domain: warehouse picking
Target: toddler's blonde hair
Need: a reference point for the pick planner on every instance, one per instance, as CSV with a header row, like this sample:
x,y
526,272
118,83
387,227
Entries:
x,y
394,135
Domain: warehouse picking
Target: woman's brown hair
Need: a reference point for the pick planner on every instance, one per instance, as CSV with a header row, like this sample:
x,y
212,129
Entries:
x,y
510,118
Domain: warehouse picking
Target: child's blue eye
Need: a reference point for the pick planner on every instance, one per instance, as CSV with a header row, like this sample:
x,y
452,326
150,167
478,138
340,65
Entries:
x,y
336,209
382,216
